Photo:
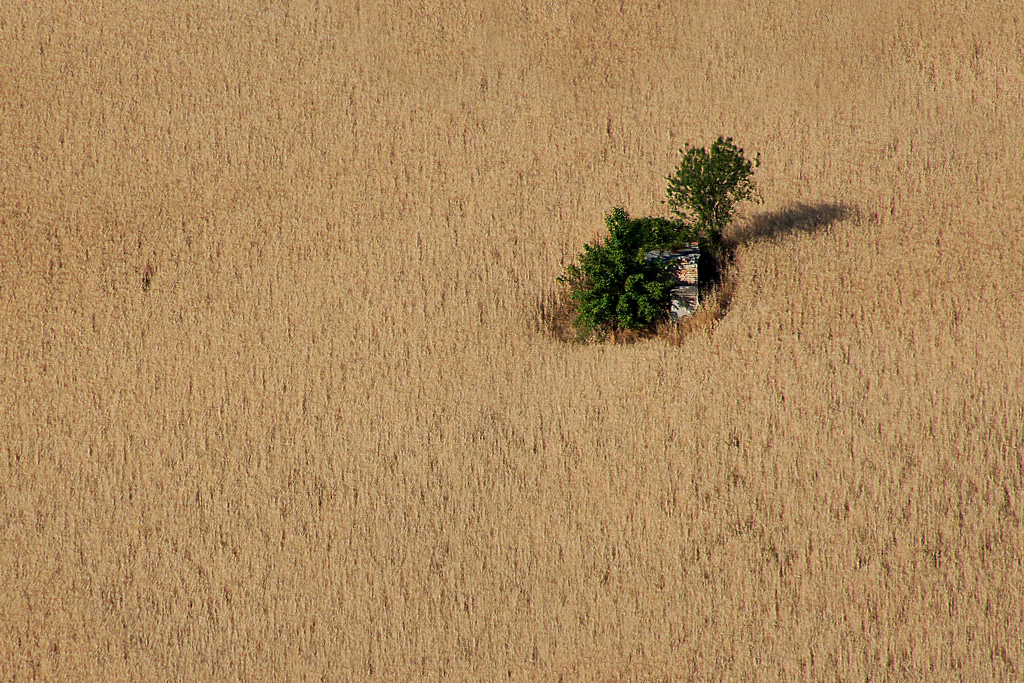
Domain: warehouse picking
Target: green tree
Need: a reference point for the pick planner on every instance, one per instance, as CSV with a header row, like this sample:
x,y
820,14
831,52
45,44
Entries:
x,y
705,187
613,286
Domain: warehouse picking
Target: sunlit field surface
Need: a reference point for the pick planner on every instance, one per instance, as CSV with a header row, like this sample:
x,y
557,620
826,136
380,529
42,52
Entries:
x,y
277,400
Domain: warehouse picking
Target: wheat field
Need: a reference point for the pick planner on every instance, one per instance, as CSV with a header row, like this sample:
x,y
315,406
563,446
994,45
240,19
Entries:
x,y
278,404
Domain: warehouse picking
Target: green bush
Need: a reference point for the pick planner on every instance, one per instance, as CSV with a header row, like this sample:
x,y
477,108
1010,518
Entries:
x,y
613,287
705,187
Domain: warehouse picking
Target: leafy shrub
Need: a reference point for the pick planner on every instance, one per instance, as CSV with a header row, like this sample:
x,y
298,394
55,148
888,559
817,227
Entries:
x,y
613,286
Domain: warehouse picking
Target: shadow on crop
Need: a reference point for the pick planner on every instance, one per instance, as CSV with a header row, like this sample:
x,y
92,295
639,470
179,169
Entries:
x,y
794,219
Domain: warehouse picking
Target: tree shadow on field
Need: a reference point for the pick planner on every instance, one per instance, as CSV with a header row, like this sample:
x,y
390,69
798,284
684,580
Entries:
x,y
794,219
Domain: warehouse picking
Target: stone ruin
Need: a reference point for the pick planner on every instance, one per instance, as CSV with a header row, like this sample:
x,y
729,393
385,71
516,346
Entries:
x,y
682,263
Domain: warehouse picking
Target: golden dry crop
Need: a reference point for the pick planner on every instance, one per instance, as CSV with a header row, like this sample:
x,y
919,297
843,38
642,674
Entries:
x,y
277,405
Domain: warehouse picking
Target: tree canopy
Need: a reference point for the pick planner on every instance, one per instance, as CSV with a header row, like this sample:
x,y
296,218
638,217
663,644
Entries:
x,y
706,186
